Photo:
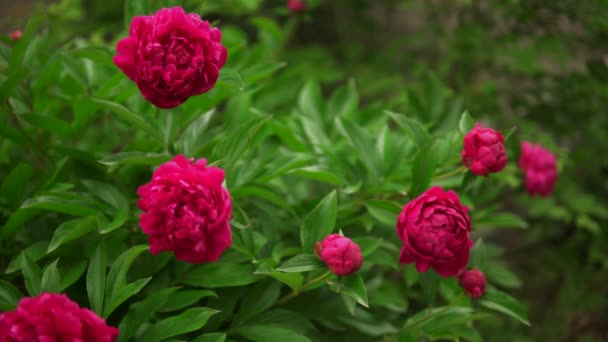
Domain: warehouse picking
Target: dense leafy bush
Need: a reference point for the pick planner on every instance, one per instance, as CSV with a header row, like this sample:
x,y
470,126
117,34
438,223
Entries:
x,y
332,119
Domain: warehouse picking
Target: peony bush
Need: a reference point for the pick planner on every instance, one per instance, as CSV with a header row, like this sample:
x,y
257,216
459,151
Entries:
x,y
197,179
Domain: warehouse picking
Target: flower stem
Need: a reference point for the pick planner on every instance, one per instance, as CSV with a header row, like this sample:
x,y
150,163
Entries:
x,y
451,173
304,287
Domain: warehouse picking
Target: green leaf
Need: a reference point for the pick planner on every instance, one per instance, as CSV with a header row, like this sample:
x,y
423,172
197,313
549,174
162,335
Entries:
x,y
468,181
135,158
35,251
258,300
189,320
363,144
413,128
429,281
502,220
123,293
141,311
73,205
314,173
302,263
466,123
310,101
125,114
478,255
134,8
96,278
221,275
15,184
384,211
344,101
212,337
231,78
271,333
423,171
354,286
182,299
98,54
502,302
9,295
70,272
31,274
293,280
70,231
368,244
50,278
320,222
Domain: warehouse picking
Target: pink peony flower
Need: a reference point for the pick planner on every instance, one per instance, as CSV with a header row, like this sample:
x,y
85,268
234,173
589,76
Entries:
x,y
540,167
484,151
435,231
186,210
473,282
340,253
171,56
297,5
16,35
53,317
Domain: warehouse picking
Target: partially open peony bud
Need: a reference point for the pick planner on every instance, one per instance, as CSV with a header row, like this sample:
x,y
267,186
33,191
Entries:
x,y
186,210
171,56
473,282
340,253
484,151
16,35
540,167
297,5
53,317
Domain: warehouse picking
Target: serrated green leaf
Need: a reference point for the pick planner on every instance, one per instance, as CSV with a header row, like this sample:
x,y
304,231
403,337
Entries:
x,y
189,320
320,222
354,286
302,263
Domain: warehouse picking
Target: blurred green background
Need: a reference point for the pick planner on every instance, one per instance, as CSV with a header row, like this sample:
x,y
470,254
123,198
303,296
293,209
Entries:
x,y
538,65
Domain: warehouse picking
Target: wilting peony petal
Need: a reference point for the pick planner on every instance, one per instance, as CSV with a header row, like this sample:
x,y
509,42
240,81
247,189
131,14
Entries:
x,y
171,56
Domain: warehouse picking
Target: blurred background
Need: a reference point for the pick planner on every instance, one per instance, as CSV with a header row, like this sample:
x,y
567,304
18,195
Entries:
x,y
540,66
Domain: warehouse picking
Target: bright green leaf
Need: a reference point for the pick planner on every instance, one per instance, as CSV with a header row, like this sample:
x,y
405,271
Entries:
x,y
189,320
320,222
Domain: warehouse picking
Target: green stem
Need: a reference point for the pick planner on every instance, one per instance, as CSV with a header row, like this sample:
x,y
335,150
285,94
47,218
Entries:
x,y
451,173
304,287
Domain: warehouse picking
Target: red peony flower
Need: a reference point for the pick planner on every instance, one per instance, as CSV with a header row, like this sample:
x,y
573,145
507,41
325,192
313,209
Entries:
x,y
473,282
53,317
540,167
171,56
297,5
435,230
186,210
340,253
16,35
484,151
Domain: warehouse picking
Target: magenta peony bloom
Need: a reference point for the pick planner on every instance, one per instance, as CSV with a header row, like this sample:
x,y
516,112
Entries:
x,y
484,150
53,317
473,282
435,231
340,253
16,35
540,167
297,5
171,56
186,210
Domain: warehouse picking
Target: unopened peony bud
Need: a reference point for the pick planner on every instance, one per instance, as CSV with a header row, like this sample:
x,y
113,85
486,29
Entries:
x,y
540,167
16,35
473,282
484,151
297,5
340,253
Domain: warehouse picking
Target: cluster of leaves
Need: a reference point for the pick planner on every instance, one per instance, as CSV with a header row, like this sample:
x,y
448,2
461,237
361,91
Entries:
x,y
307,151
